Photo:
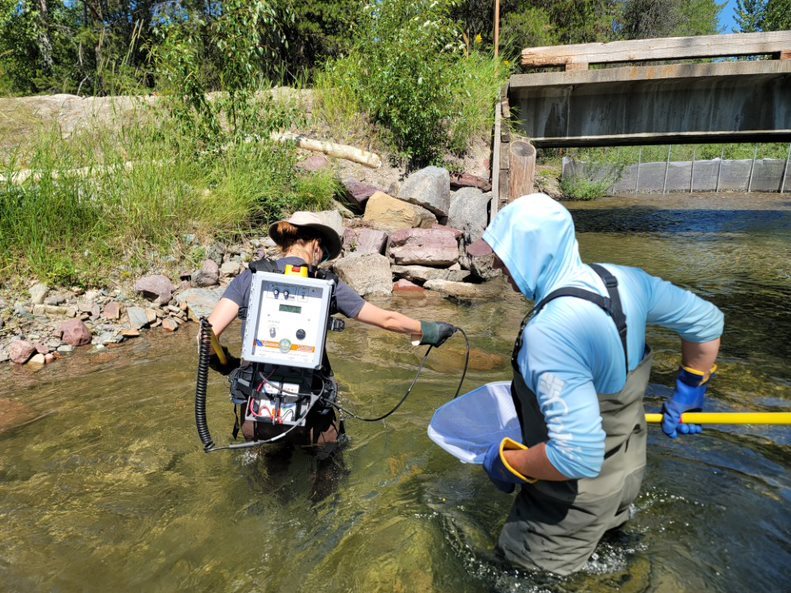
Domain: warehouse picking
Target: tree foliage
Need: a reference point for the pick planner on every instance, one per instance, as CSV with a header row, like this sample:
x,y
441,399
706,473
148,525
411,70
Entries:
x,y
116,46
763,15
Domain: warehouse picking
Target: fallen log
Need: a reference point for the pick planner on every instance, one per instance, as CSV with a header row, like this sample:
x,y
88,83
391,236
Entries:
x,y
341,151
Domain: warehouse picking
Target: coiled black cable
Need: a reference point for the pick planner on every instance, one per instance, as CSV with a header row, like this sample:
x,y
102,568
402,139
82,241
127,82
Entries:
x,y
201,384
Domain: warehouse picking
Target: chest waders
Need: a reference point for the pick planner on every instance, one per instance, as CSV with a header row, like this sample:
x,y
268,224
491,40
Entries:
x,y
264,413
555,526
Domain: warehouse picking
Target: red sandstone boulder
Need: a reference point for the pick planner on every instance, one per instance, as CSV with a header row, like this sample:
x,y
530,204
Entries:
x,y
156,287
20,351
75,333
437,246
364,240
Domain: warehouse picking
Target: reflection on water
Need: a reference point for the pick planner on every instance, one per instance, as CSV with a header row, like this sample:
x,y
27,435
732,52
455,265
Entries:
x,y
107,487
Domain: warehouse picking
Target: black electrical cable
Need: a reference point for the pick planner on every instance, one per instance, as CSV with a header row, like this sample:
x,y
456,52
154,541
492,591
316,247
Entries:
x,y
408,391
201,383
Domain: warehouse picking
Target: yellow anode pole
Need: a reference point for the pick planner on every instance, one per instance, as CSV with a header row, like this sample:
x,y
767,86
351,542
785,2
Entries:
x,y
728,418
215,344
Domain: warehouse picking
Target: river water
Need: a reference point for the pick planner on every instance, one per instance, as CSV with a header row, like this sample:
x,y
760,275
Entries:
x,y
107,487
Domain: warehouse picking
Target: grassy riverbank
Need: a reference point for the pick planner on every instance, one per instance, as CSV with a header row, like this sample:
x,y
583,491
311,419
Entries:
x,y
109,202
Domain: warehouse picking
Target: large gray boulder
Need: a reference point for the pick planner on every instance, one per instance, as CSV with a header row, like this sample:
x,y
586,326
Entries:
x,y
430,188
391,214
366,273
199,301
469,212
437,246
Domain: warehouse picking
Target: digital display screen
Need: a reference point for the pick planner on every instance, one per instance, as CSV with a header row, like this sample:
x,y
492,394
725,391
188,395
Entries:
x,y
291,308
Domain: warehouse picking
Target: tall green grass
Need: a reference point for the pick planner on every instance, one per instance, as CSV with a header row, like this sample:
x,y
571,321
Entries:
x,y
146,186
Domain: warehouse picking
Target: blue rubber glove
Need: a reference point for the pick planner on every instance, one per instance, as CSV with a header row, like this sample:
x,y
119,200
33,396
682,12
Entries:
x,y
499,471
691,387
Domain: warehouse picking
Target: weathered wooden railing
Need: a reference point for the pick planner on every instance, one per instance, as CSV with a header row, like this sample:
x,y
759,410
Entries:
x,y
776,44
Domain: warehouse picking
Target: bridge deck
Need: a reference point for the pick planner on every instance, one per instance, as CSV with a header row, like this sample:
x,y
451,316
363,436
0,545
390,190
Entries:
x,y
656,104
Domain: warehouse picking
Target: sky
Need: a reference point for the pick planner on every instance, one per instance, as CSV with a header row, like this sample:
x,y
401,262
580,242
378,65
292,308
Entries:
x,y
727,23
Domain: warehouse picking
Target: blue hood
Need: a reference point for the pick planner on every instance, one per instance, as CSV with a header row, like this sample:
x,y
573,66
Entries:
x,y
534,238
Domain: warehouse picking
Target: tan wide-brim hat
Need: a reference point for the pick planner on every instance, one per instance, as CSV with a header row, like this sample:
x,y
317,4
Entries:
x,y
330,239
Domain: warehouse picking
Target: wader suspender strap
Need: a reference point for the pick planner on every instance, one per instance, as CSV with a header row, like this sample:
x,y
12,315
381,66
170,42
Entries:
x,y
611,305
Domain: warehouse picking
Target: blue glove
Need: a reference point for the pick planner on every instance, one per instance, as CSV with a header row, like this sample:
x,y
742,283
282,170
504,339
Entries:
x,y
499,471
691,387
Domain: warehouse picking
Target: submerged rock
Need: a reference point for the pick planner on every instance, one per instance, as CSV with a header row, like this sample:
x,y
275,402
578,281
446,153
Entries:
x,y
463,290
13,414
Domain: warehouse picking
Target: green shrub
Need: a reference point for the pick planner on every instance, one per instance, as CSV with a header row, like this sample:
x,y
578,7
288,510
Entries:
x,y
408,74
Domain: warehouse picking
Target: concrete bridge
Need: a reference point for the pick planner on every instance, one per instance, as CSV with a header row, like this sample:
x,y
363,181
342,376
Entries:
x,y
650,101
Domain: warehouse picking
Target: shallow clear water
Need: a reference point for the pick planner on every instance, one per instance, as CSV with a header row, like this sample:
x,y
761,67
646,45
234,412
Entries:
x,y
106,488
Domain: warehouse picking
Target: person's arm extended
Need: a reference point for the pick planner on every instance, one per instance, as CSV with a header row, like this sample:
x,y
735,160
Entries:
x,y
389,320
700,357
223,314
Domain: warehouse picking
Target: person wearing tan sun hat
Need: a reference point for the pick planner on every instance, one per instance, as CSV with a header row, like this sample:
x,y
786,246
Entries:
x,y
305,240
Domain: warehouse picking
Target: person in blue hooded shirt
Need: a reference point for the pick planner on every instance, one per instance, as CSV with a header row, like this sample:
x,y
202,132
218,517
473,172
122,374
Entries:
x,y
581,367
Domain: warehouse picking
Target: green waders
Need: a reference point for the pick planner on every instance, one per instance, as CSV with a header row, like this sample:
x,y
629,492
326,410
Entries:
x,y
555,526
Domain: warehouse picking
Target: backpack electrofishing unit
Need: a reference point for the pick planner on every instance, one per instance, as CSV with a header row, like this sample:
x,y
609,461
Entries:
x,y
285,380
286,372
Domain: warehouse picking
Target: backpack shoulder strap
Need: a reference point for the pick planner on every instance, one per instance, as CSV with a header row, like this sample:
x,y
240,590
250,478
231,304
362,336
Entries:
x,y
610,304
263,265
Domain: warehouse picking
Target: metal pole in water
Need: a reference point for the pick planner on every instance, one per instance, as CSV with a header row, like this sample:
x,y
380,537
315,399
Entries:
x,y
752,168
667,165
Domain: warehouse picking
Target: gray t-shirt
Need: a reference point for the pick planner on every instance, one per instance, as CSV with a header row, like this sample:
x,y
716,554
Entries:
x,y
349,302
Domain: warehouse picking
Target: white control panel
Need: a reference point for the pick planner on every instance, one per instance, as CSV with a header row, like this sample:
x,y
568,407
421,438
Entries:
x,y
287,320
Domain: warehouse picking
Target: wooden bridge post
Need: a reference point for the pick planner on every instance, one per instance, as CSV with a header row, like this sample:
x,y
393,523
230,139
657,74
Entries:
x,y
522,161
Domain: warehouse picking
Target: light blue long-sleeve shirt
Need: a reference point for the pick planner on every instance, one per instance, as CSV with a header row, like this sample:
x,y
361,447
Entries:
x,y
571,349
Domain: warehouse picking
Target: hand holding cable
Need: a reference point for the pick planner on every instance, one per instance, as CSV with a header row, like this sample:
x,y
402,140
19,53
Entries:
x,y
691,387
435,333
